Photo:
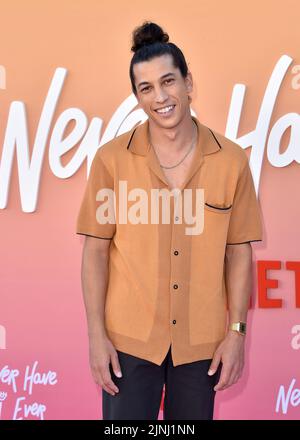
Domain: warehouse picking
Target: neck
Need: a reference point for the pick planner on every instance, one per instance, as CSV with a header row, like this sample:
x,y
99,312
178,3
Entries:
x,y
176,138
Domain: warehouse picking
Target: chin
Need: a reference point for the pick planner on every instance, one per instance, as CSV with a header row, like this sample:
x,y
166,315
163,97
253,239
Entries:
x,y
172,122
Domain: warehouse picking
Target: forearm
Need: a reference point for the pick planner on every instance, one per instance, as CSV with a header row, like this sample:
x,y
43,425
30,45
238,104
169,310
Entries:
x,y
94,277
238,276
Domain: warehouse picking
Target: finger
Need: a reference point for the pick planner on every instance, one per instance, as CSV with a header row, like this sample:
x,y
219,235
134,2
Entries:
x,y
236,373
116,365
107,380
224,378
98,380
108,390
239,373
233,377
214,364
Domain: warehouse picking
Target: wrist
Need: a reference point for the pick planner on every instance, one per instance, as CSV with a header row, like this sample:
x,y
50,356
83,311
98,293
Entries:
x,y
235,334
97,332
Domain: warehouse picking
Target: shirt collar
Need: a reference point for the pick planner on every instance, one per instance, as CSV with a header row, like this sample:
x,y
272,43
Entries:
x,y
138,142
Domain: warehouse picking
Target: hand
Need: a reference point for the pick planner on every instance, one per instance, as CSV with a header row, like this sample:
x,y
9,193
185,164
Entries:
x,y
231,353
101,353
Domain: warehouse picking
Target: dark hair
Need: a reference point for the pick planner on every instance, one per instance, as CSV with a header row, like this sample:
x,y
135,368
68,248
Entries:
x,y
150,41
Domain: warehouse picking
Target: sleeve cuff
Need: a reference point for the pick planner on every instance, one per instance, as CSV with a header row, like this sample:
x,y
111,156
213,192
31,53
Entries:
x,y
243,242
95,236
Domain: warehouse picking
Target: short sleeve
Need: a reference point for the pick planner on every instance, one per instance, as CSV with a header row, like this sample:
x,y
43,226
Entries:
x,y
96,214
245,220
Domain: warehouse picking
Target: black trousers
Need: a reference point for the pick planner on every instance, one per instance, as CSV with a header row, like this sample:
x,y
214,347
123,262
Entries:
x,y
189,393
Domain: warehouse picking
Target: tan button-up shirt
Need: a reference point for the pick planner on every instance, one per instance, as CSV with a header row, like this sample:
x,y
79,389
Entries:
x,y
167,287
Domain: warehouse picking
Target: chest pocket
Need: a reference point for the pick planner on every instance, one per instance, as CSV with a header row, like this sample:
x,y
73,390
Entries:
x,y
216,222
219,209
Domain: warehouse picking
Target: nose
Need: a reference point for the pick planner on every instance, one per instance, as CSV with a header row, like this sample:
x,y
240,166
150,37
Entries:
x,y
160,95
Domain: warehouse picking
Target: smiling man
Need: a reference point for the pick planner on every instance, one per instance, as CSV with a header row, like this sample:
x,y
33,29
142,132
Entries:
x,y
165,308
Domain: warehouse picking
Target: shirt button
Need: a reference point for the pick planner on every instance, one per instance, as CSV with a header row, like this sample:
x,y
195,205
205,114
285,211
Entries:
x,y
176,252
174,321
175,286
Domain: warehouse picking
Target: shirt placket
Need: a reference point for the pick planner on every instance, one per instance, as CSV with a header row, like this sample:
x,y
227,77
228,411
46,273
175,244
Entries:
x,y
177,283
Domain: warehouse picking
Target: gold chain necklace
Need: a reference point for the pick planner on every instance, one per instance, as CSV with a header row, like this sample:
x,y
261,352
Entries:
x,y
174,166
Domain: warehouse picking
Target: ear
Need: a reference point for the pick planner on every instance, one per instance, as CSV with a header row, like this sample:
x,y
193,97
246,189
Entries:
x,y
189,82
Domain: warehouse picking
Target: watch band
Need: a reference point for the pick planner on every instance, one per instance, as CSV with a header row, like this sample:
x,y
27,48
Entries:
x,y
239,327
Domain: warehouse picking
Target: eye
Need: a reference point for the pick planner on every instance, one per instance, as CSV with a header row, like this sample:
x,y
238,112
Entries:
x,y
145,88
168,80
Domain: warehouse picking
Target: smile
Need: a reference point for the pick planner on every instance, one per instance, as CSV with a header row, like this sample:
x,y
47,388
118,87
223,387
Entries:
x,y
165,110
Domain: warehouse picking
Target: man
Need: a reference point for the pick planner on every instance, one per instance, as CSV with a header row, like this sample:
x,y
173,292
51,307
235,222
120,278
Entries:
x,y
156,296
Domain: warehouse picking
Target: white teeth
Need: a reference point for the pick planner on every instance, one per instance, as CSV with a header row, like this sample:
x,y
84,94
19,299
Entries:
x,y
165,109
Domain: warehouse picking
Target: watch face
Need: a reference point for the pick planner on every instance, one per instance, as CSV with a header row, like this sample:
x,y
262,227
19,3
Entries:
x,y
242,328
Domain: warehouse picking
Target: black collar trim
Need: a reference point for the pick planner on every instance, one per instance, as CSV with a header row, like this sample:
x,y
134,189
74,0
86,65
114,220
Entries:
x,y
215,138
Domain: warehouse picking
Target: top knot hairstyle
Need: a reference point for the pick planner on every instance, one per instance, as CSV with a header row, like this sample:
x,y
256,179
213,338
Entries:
x,y
150,41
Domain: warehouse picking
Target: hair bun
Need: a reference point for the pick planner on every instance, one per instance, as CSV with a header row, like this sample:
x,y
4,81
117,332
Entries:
x,y
146,34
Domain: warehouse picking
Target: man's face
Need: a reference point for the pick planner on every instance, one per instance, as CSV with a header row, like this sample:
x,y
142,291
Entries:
x,y
159,86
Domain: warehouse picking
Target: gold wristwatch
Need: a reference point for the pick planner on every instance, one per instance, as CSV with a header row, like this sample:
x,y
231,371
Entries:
x,y
239,327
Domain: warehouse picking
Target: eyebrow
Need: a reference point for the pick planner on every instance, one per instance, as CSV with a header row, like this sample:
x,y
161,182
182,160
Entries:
x,y
162,77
